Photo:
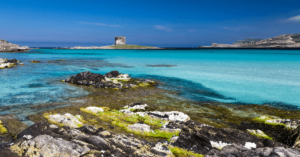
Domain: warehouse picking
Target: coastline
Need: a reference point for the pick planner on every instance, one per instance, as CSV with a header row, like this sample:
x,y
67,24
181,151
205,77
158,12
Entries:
x,y
258,126
177,48
213,115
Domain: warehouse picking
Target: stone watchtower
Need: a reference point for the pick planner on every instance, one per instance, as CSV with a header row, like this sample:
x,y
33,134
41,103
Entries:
x,y
120,40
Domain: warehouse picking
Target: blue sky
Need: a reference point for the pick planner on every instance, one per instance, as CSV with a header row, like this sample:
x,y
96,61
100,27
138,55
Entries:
x,y
165,23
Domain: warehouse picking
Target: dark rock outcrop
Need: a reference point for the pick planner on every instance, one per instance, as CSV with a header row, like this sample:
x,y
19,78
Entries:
x,y
112,74
113,79
235,150
293,139
42,140
226,135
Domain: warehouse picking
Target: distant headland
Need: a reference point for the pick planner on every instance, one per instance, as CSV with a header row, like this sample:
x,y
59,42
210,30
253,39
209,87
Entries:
x,y
10,47
287,41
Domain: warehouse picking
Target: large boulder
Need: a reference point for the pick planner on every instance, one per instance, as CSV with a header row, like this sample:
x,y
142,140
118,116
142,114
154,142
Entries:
x,y
201,138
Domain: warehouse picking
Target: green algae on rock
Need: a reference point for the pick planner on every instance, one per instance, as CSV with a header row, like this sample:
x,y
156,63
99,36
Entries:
x,y
178,152
123,121
2,128
259,134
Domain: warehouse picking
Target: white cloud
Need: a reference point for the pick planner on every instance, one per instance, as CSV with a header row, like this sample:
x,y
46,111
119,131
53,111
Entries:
x,y
238,28
99,24
163,28
295,18
193,30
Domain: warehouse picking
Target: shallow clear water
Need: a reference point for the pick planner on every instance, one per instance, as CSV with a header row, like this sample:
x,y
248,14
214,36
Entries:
x,y
235,76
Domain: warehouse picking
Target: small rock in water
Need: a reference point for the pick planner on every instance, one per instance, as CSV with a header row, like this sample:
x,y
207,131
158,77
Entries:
x,y
5,63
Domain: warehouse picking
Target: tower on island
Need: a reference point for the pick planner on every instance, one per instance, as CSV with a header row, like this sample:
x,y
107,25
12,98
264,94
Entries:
x,y
120,40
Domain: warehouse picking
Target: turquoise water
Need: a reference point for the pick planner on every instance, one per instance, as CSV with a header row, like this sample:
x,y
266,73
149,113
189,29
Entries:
x,y
233,76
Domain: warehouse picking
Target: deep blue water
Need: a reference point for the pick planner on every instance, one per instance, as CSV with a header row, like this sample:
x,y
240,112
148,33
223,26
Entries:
x,y
234,76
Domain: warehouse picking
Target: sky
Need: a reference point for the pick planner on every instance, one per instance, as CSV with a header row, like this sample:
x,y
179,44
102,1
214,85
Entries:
x,y
162,23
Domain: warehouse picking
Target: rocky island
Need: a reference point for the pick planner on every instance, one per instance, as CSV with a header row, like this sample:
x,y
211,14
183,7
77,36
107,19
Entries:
x,y
282,41
10,47
117,47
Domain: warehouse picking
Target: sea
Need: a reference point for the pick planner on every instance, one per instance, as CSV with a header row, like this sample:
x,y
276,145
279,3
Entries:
x,y
242,76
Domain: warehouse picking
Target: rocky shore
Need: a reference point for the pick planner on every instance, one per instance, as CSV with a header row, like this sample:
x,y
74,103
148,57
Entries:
x,y
10,47
115,120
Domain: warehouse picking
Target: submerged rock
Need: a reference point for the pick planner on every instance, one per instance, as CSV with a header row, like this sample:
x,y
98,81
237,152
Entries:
x,y
161,65
35,61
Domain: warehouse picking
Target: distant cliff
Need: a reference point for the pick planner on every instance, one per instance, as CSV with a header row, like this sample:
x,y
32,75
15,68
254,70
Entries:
x,y
282,41
10,47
